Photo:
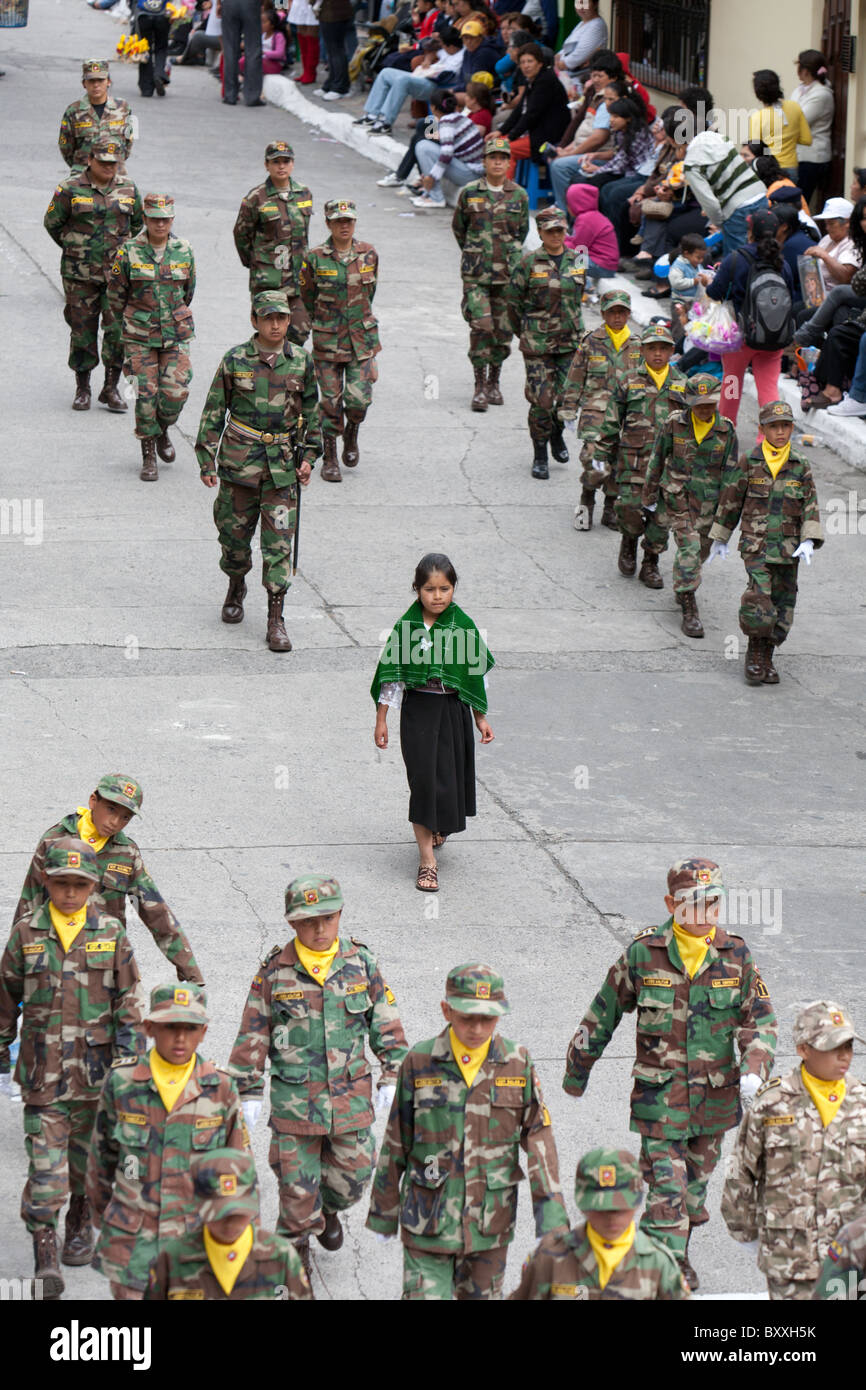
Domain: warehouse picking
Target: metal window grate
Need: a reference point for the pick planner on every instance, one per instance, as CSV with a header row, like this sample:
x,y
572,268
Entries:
x,y
666,40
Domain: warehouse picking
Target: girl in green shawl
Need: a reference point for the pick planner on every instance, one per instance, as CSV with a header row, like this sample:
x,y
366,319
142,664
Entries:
x,y
433,669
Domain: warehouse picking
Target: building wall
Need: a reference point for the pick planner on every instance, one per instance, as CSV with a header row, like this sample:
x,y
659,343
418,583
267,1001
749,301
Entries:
x,y
855,143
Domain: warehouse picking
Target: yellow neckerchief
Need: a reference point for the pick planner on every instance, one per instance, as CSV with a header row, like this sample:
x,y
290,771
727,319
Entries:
x,y
468,1059
88,832
701,427
658,377
692,949
67,928
775,459
609,1253
620,338
227,1261
827,1095
170,1078
317,963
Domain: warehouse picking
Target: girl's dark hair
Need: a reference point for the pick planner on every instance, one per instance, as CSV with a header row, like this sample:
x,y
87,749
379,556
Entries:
x,y
624,88
451,37
607,61
860,176
670,121
855,231
766,86
698,101
813,61
430,564
520,38
767,247
635,114
482,94
535,49
443,100
788,217
768,169
692,242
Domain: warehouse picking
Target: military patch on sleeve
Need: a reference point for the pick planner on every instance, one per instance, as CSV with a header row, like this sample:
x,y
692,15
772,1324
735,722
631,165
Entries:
x,y
545,1115
257,984
389,995
835,1251
760,988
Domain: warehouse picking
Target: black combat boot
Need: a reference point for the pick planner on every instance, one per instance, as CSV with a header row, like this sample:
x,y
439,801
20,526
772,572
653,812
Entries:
x,y
78,1245
558,447
332,1236
627,559
539,465
608,515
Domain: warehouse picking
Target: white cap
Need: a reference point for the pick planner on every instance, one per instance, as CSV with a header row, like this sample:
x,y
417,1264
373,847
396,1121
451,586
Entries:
x,y
835,207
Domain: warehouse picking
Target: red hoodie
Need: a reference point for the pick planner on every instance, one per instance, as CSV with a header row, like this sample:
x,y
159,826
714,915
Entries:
x,y
651,111
592,229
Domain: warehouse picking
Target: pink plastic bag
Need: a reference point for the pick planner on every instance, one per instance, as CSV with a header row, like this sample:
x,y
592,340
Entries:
x,y
712,326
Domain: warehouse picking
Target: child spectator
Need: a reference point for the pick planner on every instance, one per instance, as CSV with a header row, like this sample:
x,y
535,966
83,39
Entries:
x,y
685,273
592,232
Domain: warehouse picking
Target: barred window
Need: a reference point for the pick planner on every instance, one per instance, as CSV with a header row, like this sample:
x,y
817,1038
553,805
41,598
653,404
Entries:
x,y
666,41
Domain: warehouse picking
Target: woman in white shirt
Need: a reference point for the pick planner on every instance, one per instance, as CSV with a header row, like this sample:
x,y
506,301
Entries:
x,y
815,99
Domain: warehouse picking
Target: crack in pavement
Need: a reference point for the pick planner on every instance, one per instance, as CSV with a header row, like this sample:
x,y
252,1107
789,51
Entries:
x,y
243,893
62,719
24,251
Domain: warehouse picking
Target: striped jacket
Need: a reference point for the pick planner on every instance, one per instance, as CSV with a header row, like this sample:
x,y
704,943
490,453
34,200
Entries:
x,y
459,138
719,177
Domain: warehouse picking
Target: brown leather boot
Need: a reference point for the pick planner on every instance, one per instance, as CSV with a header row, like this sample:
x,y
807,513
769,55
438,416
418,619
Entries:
x,y
303,1249
78,1245
350,444
149,470
491,386
771,675
754,668
584,510
479,400
608,515
627,560
332,1236
109,395
649,571
330,467
164,446
233,607
691,624
47,1268
277,638
81,400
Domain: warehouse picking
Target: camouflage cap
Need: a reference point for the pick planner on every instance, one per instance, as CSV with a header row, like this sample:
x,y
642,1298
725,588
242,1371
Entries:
x,y
158,205
125,791
497,144
550,217
824,1025
340,207
690,879
71,856
774,412
476,989
279,149
703,389
94,67
608,1180
224,1181
657,333
106,150
610,298
185,1003
314,895
271,302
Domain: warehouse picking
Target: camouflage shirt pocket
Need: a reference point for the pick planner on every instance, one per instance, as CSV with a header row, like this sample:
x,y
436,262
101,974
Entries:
x,y
499,1204
471,264
423,1209
655,1009
208,1132
37,977
97,1054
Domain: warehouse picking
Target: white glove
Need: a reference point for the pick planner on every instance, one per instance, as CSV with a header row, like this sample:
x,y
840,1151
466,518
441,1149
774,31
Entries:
x,y
750,1084
385,1099
804,551
252,1108
718,548
383,1240
652,508
599,465
6,1084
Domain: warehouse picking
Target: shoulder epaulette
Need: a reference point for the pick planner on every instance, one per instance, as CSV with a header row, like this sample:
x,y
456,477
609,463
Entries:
x,y
647,931
768,1085
355,942
124,1062
274,951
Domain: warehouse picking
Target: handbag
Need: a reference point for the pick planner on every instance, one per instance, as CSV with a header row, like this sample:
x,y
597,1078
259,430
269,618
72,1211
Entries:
x,y
656,209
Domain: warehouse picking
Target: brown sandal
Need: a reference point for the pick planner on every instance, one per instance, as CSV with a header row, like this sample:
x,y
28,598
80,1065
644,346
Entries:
x,y
428,879
438,840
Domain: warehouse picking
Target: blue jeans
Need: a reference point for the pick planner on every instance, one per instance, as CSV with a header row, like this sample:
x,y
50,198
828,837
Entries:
x,y
457,171
391,89
858,381
563,173
597,272
735,229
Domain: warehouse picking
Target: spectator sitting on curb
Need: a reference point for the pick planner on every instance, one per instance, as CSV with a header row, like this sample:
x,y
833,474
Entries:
x,y
457,152
392,86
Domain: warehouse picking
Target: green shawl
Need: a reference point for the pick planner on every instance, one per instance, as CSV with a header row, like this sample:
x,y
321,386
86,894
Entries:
x,y
452,650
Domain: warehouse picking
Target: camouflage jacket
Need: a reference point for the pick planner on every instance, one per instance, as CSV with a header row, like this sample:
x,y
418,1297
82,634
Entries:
x,y
314,1037
685,471
138,1171
594,372
565,1267
123,875
635,413
775,515
81,125
454,1152
544,304
271,235
271,1271
282,401
686,1077
843,1275
792,1182
153,296
90,223
80,1008
490,231
338,296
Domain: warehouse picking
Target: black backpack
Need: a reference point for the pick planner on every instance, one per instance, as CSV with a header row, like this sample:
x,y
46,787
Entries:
x,y
766,318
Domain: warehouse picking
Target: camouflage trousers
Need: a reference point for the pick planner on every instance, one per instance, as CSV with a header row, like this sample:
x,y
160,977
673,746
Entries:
x,y
319,1174
677,1173
428,1275
162,377
236,512
590,478
344,385
545,380
57,1140
689,523
789,1290
299,320
629,514
485,309
86,303
767,605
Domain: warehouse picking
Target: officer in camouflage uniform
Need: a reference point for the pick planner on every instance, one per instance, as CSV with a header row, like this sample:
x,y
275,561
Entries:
x,y
636,411
229,1256
338,281
449,1168
843,1275
798,1170
271,234
259,436
696,989
491,222
122,874
72,969
691,452
771,493
96,115
604,1256
546,293
152,285
90,216
155,1116
311,1008
603,355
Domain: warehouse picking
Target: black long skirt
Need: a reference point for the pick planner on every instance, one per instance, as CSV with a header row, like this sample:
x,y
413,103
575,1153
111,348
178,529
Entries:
x,y
438,747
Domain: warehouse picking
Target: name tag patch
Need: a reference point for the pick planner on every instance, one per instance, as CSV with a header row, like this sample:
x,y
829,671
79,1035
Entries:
x,y
651,980
564,1290
288,994
130,1119
510,1081
779,1120
733,983
421,1081
118,868
209,1122
357,989
185,1293
35,949
100,946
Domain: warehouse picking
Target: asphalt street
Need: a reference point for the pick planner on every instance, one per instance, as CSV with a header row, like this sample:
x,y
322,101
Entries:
x,y
621,745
